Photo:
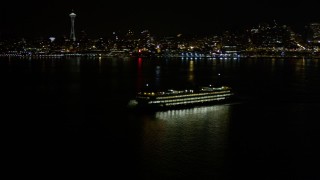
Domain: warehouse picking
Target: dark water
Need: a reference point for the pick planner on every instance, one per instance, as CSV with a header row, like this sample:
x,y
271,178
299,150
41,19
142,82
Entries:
x,y
67,118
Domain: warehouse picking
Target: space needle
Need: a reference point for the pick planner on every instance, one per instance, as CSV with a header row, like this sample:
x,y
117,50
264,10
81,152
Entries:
x,y
72,34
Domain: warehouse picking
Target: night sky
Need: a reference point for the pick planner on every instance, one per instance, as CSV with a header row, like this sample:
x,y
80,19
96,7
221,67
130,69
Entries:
x,y
30,19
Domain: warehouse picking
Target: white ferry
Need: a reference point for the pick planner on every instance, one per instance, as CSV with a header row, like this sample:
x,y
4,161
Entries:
x,y
180,98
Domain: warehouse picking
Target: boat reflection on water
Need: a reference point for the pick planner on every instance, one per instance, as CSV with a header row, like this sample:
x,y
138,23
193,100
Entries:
x,y
216,110
176,138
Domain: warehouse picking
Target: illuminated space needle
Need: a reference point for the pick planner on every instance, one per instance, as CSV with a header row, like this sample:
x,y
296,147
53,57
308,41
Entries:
x,y
72,34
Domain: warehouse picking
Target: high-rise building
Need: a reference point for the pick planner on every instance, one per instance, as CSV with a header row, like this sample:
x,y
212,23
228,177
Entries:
x,y
315,28
72,34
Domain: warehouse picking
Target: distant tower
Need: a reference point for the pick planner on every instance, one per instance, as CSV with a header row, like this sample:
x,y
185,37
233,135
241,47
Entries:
x,y
72,34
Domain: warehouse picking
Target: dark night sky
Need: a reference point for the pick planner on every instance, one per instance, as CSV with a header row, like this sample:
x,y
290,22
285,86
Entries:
x,y
100,18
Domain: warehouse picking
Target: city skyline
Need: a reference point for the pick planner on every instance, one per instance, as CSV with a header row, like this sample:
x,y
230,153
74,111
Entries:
x,y
51,18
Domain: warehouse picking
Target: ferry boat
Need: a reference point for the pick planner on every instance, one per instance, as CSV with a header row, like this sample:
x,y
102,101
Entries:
x,y
172,98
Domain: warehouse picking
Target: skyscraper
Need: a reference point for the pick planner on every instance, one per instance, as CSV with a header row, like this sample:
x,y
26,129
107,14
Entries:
x,y
72,34
315,29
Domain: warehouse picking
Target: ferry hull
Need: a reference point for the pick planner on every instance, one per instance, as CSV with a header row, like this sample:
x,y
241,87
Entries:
x,y
161,106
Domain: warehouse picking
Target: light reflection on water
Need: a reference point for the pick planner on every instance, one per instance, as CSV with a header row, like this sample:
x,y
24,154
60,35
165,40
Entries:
x,y
216,110
173,140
